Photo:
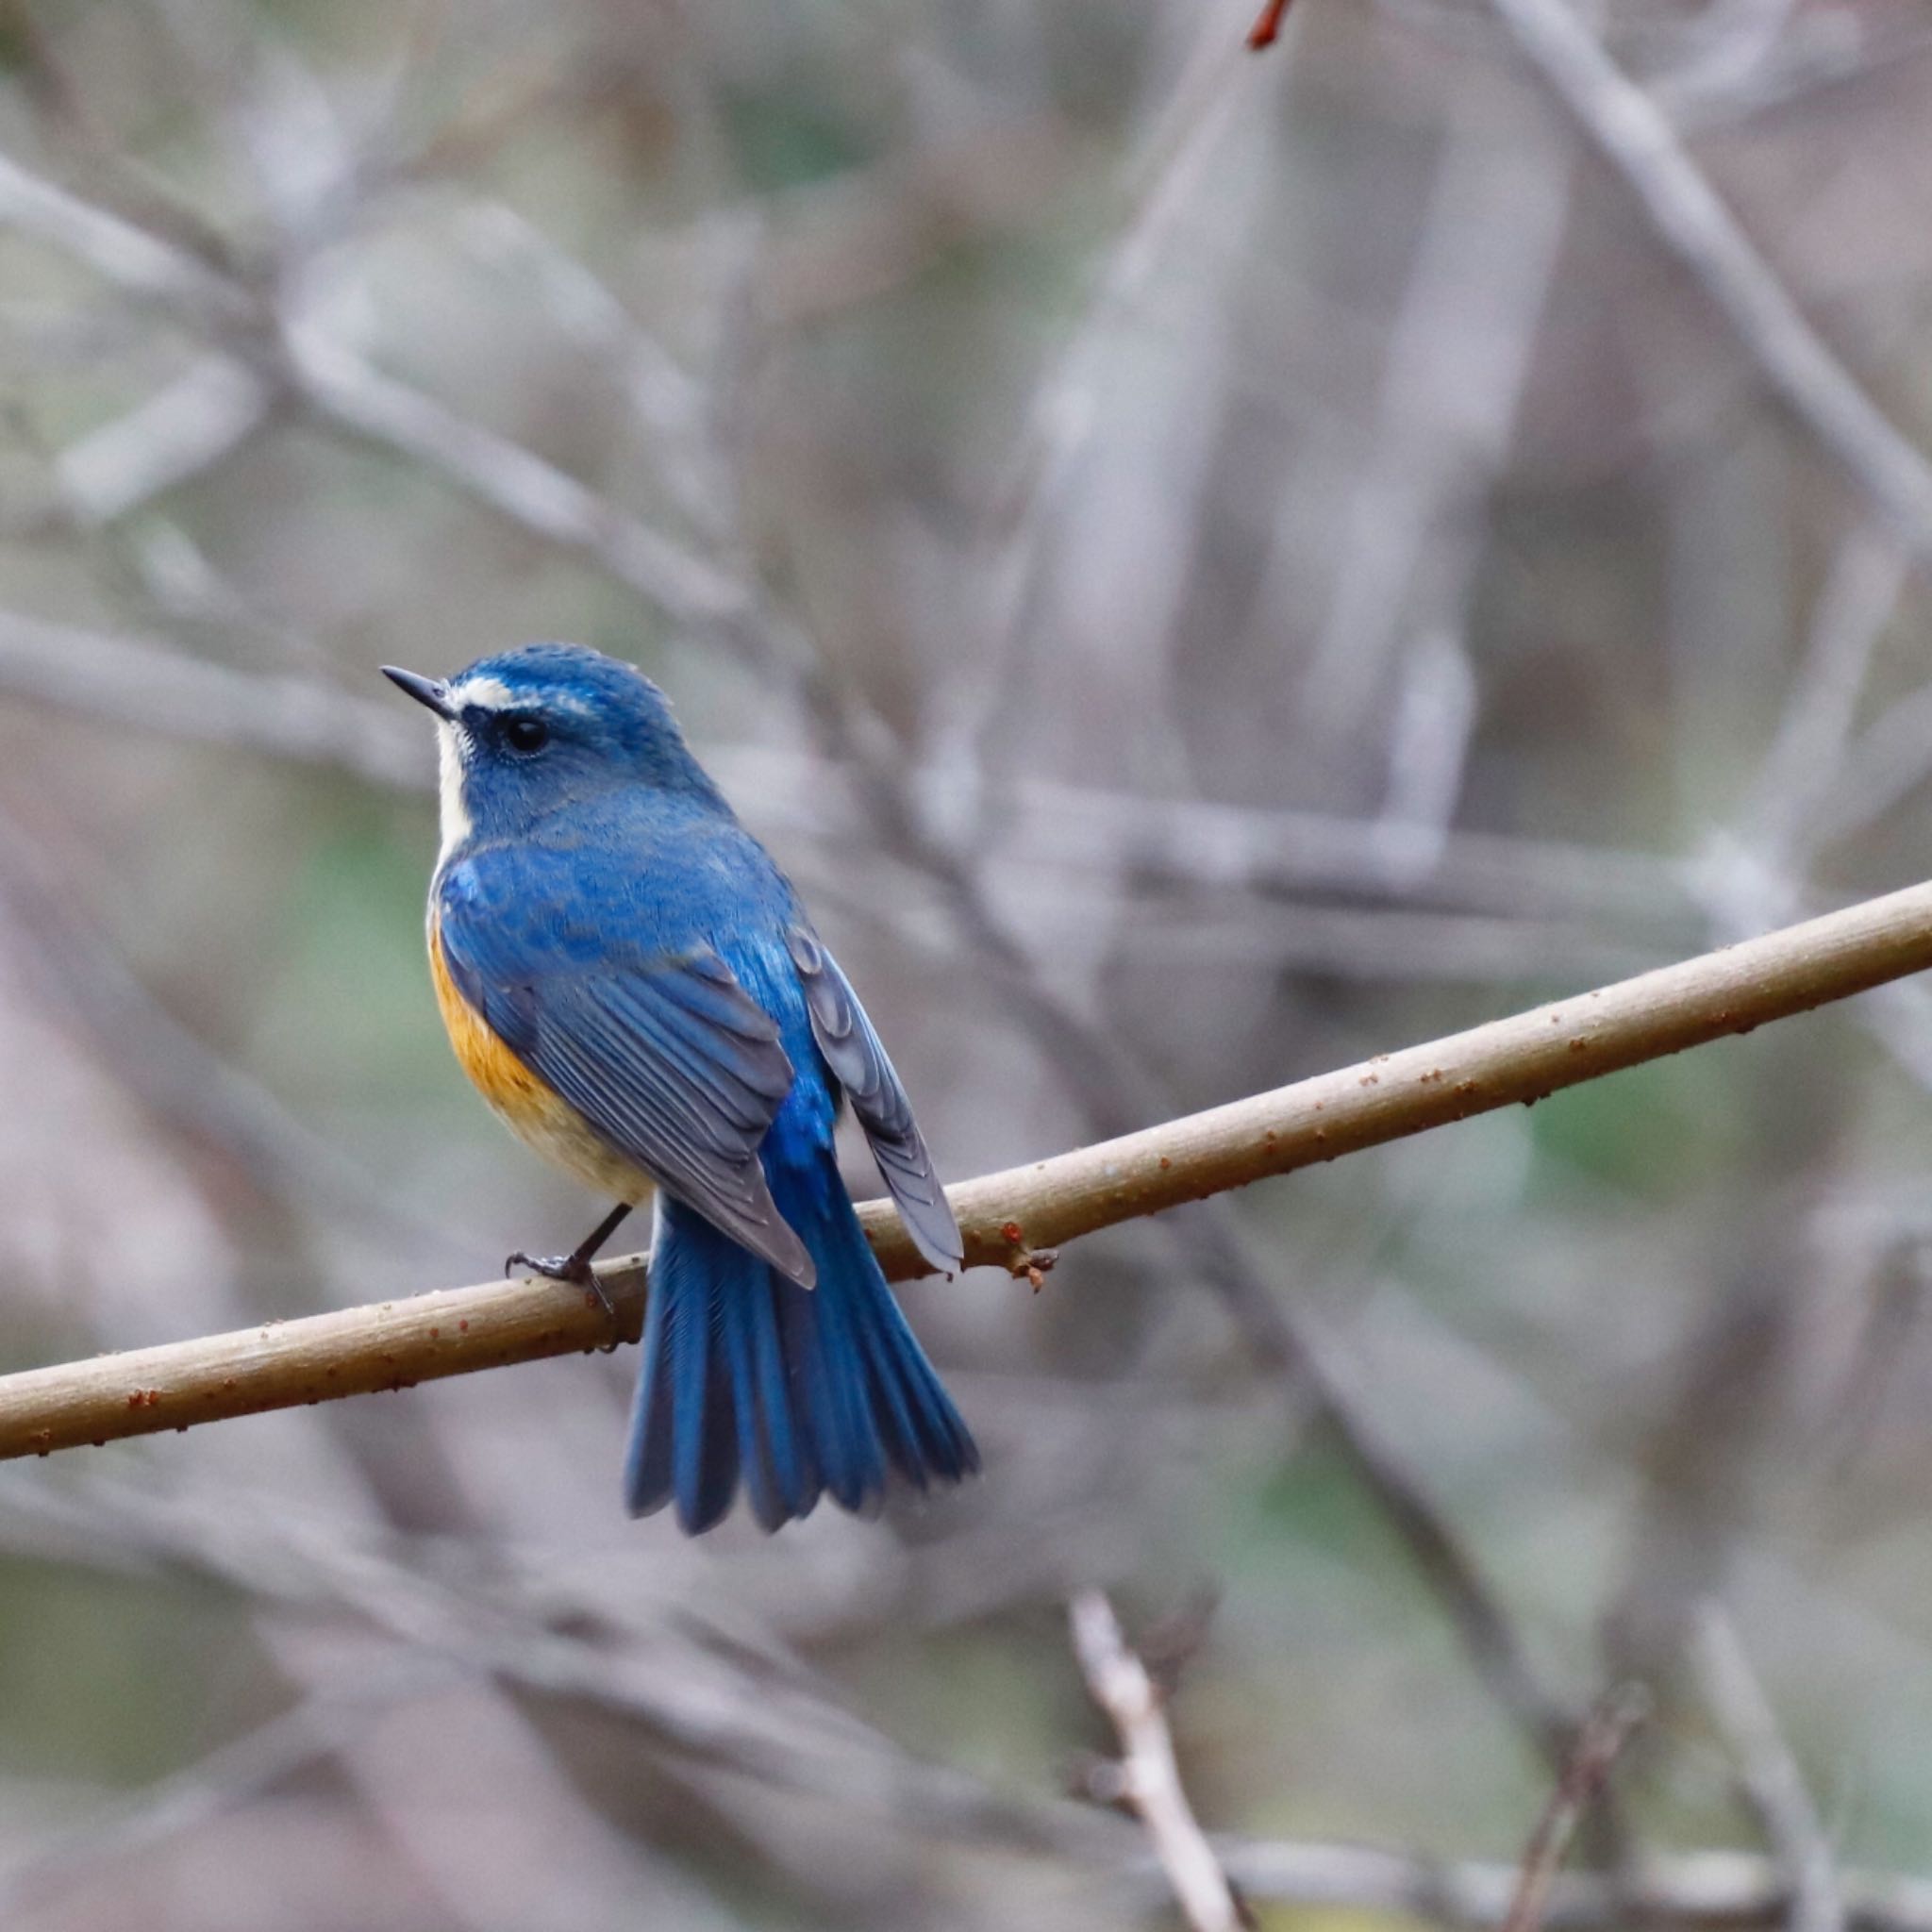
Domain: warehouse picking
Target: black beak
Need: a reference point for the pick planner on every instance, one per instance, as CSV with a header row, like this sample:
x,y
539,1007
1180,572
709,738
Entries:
x,y
426,691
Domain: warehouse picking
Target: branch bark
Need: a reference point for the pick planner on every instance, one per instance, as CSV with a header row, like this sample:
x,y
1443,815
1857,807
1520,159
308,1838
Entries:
x,y
1013,1219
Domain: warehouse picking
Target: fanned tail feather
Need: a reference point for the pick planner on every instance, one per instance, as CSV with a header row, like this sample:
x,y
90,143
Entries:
x,y
799,1391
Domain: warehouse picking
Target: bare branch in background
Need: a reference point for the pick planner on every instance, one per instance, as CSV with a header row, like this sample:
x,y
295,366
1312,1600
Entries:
x,y
1694,224
328,377
1714,1888
197,421
143,684
140,264
229,1775
1769,1773
1599,1743
1147,1779
186,1084
1459,360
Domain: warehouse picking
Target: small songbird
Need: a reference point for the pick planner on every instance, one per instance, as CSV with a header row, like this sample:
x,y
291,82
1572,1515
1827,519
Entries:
x,y
633,986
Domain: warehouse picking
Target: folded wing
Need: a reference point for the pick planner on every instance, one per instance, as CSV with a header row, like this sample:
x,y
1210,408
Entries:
x,y
669,1059
853,1052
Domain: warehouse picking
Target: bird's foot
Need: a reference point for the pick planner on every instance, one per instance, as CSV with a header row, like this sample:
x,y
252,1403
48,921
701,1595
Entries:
x,y
574,1269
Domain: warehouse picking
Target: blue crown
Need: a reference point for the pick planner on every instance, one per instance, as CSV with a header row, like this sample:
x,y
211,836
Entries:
x,y
572,671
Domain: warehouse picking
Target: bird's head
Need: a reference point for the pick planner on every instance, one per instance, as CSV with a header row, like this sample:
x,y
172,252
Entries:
x,y
531,731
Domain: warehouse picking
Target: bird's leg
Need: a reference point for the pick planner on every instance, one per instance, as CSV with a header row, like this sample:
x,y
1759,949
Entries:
x,y
575,1266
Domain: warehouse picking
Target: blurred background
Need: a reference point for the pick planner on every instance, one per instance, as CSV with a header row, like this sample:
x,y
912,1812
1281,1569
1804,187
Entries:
x,y
1205,566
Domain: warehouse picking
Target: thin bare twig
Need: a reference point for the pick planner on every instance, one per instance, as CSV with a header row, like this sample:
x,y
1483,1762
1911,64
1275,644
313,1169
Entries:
x,y
195,422
700,1700
1446,1566
229,1777
1696,226
706,1707
194,1091
1147,1775
331,381
1598,1746
133,681
141,682
1770,1774
1711,1889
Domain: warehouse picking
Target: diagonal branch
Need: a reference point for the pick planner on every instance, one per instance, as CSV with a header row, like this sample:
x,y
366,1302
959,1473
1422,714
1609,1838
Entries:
x,y
1609,1729
1773,1785
1689,216
1009,1219
260,344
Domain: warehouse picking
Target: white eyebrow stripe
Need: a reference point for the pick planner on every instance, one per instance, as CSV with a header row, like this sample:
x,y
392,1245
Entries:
x,y
492,694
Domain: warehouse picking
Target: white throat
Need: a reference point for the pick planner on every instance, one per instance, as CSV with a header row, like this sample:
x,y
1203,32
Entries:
x,y
456,814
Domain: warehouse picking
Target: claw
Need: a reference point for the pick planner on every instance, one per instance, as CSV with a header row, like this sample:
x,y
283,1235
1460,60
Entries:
x,y
570,1268
575,1268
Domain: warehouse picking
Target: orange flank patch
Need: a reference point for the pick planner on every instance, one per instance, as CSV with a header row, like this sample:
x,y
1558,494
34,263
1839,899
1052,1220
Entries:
x,y
529,1107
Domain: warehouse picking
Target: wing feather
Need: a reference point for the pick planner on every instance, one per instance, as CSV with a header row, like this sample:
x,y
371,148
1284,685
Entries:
x,y
859,1061
668,1058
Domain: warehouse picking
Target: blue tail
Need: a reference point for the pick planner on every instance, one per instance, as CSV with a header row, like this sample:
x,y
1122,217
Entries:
x,y
799,1390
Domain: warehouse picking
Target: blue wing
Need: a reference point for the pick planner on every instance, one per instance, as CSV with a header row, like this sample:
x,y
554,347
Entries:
x,y
854,1055
665,1055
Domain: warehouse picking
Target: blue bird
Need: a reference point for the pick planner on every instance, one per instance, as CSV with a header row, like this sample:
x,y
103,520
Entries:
x,y
631,983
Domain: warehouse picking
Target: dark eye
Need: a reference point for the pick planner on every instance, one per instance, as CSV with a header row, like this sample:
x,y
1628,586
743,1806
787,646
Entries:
x,y
524,733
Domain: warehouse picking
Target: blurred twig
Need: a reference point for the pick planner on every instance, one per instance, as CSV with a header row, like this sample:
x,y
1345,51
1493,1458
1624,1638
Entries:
x,y
330,380
143,683
716,1708
1598,1746
190,1087
1709,1889
198,419
229,1777
135,682
700,1700
1769,1773
1487,1634
1147,1776
1695,222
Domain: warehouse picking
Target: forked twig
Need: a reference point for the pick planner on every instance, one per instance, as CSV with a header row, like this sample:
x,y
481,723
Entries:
x,y
1147,1779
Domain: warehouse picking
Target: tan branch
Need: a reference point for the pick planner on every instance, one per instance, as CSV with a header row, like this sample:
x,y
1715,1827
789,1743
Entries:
x,y
1010,1220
